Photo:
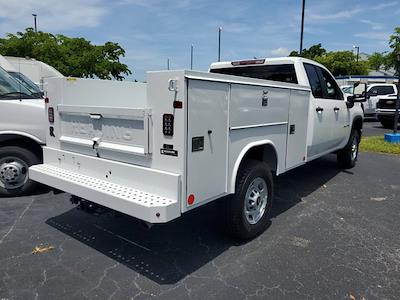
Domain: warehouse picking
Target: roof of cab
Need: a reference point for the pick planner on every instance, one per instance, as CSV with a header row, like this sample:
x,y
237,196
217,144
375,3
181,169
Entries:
x,y
267,61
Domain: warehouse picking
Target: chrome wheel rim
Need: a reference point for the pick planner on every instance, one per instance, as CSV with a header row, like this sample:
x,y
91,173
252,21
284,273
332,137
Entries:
x,y
354,149
13,172
256,200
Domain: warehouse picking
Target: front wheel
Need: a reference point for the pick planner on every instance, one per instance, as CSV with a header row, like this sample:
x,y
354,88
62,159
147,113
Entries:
x,y
249,208
347,157
14,165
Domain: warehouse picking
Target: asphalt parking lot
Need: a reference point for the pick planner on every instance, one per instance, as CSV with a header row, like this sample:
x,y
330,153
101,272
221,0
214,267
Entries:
x,y
373,127
333,235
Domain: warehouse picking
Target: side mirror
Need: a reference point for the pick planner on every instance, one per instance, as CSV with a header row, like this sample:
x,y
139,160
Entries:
x,y
350,101
359,92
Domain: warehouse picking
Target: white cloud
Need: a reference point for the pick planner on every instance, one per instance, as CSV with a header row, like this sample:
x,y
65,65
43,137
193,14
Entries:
x,y
344,14
52,15
373,35
374,25
324,12
280,51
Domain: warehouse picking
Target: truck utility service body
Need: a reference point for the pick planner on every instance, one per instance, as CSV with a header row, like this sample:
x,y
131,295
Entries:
x,y
157,150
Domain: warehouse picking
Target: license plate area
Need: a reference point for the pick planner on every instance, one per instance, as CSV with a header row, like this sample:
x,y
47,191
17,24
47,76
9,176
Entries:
x,y
97,129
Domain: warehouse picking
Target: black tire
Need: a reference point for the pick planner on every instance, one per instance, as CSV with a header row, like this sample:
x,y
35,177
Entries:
x,y
237,223
29,158
346,157
387,124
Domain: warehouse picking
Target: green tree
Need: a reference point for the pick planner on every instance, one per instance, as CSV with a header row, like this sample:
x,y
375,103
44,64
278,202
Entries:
x,y
343,63
392,57
377,60
76,57
310,53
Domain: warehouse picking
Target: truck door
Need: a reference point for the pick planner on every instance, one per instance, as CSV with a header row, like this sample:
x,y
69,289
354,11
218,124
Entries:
x,y
321,114
207,108
341,115
330,114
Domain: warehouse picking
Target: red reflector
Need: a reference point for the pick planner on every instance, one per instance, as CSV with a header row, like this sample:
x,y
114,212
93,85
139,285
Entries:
x,y
190,199
178,104
50,114
248,62
46,100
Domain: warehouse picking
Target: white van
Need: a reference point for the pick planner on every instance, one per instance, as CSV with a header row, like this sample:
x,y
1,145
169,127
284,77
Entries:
x,y
35,70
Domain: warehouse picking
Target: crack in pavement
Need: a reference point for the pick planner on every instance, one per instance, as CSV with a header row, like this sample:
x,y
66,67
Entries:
x,y
16,221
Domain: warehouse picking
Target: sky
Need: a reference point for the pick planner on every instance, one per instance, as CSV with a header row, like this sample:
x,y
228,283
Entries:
x,y
151,31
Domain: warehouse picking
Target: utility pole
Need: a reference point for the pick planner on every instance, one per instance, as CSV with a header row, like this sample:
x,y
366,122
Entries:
x,y
358,51
191,57
302,26
167,63
219,43
34,21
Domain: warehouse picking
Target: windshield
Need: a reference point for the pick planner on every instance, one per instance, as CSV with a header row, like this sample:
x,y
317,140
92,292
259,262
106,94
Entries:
x,y
13,89
27,83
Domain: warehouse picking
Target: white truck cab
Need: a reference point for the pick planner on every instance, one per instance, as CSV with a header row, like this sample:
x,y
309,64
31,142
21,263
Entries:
x,y
157,150
22,127
374,93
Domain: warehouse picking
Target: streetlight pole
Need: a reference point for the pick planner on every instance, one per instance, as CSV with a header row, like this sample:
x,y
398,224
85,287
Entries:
x,y
302,26
358,51
34,21
191,57
219,43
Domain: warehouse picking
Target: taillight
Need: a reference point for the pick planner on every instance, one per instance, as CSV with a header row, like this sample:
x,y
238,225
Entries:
x,y
50,114
168,124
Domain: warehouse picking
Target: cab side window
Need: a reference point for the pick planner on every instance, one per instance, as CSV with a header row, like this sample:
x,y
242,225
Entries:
x,y
313,78
381,90
330,88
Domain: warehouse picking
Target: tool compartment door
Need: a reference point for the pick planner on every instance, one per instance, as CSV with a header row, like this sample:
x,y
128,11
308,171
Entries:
x,y
207,152
297,128
104,131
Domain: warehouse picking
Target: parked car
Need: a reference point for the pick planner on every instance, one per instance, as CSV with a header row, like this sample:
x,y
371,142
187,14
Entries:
x,y
33,69
385,110
158,150
22,133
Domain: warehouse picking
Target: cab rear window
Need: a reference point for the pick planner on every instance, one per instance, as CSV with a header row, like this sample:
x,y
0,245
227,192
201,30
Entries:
x,y
283,73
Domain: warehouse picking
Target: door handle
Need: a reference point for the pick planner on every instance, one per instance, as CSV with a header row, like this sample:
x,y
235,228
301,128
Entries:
x,y
319,109
95,116
336,109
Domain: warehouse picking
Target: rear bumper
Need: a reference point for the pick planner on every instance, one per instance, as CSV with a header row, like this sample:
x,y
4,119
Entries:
x,y
125,188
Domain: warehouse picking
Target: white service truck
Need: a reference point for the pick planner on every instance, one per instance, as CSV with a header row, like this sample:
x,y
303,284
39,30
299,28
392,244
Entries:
x,y
157,150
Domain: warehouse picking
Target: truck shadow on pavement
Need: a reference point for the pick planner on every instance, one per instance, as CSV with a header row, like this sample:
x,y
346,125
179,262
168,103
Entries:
x,y
168,253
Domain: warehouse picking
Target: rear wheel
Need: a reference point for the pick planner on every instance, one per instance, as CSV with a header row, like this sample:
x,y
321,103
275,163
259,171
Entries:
x,y
14,165
249,208
347,157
